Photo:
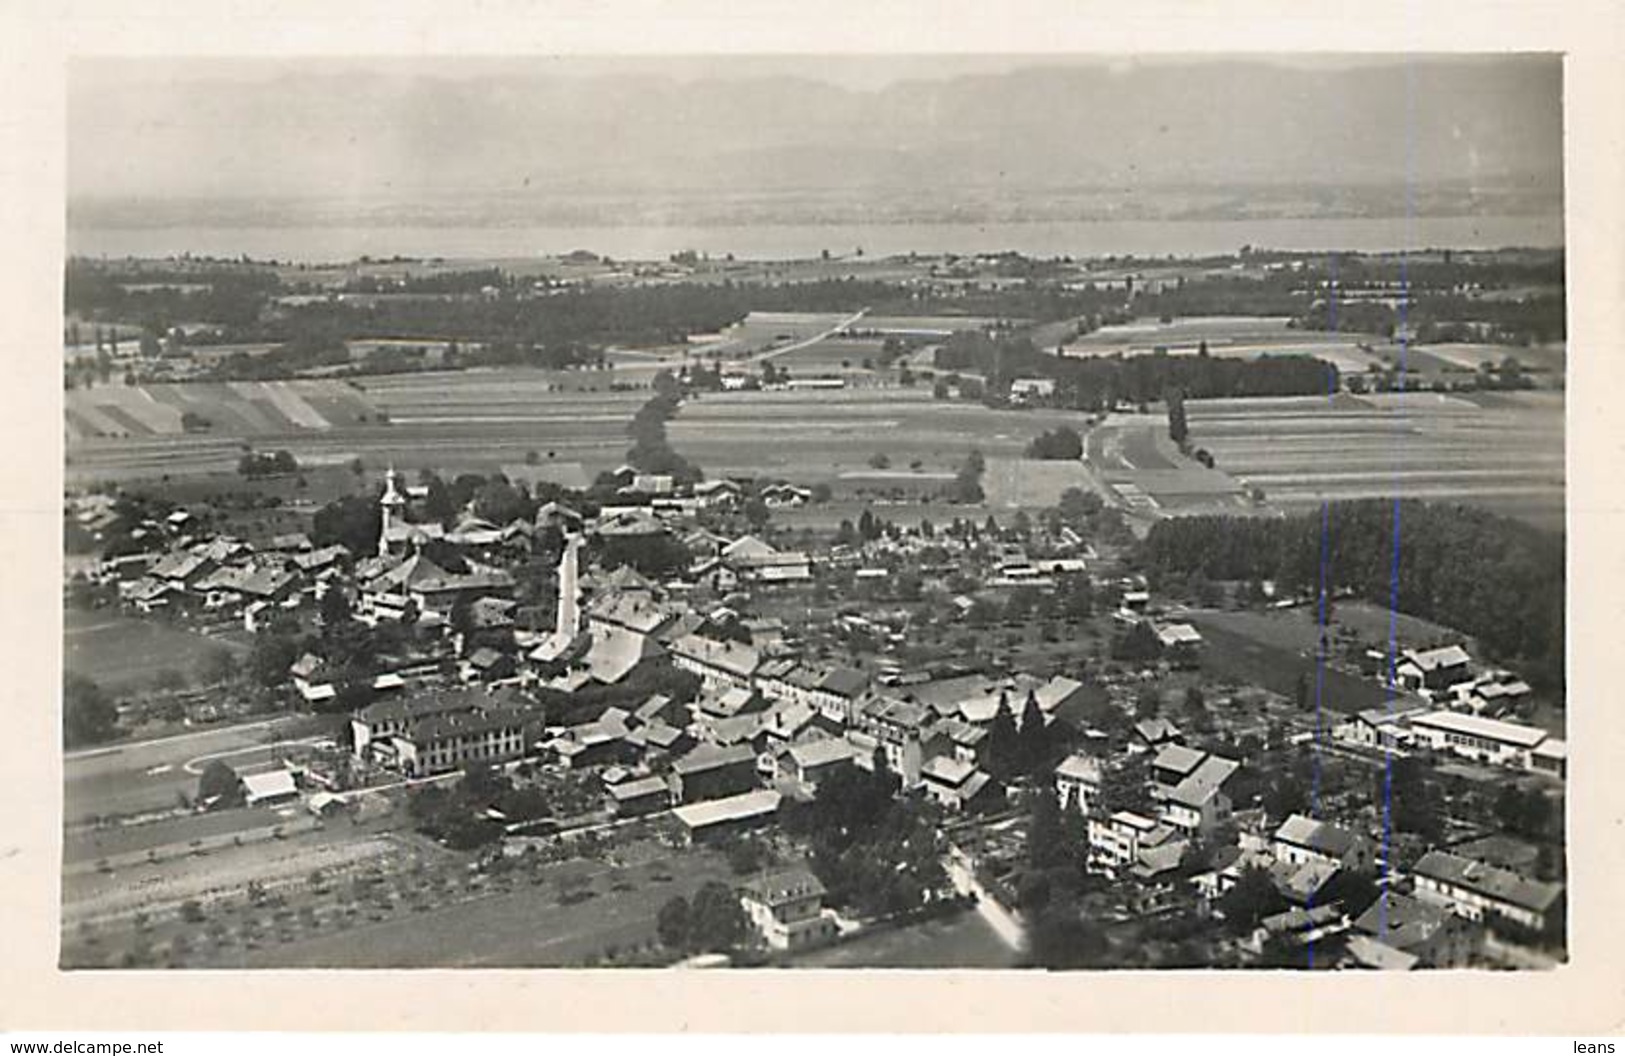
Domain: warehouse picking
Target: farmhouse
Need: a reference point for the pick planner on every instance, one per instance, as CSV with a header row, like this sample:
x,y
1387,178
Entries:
x,y
1434,670
785,496
1181,643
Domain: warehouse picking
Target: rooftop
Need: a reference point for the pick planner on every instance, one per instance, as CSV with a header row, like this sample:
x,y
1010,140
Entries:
x,y
732,808
710,757
1316,835
1511,733
1502,885
821,752
784,885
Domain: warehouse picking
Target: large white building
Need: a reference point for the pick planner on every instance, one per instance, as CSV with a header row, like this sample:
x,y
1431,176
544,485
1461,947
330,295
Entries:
x,y
1484,740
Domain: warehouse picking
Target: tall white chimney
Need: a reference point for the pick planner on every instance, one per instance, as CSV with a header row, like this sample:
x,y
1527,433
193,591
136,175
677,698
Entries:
x,y
569,618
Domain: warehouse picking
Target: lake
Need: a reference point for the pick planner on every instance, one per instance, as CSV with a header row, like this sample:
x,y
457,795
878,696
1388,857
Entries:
x,y
1145,238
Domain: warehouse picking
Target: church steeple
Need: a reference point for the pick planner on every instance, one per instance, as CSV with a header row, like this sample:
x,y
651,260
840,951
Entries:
x,y
391,504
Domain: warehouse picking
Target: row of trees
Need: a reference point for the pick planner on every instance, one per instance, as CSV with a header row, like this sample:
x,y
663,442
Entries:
x,y
1497,579
651,452
1101,382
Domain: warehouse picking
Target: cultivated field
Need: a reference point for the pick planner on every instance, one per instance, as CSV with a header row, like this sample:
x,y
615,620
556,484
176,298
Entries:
x,y
817,435
1230,337
237,409
1132,461
464,420
1501,451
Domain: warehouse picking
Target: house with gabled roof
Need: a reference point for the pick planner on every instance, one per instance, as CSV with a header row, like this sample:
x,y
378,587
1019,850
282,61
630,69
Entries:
x,y
1481,892
1302,839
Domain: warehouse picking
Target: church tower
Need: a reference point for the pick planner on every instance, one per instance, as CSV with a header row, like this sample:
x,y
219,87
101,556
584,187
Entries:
x,y
392,504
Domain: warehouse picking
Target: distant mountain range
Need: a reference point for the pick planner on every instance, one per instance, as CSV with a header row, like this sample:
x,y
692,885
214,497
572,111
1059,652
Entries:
x,y
1484,131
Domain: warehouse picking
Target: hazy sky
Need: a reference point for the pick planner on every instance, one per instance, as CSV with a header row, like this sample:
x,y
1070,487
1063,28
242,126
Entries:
x,y
395,128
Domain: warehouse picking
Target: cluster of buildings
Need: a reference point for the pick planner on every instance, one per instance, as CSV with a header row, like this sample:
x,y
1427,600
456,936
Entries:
x,y
719,718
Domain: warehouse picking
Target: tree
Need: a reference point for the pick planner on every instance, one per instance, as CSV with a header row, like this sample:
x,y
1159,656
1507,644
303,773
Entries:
x,y
88,713
1003,743
1139,645
219,783
334,608
355,521
672,924
1253,898
880,460
1062,939
1414,800
1178,429
270,658
1060,444
1301,695
1033,739
716,919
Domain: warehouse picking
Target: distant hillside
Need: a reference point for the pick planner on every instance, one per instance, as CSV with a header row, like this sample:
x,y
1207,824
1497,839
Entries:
x,y
570,144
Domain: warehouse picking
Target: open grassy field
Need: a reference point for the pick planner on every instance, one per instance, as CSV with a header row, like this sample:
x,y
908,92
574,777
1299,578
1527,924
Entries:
x,y
1468,357
1505,454
831,355
1244,652
134,778
123,652
762,332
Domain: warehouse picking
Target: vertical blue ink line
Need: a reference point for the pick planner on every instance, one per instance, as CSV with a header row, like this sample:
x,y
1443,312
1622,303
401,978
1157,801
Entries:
x,y
1393,571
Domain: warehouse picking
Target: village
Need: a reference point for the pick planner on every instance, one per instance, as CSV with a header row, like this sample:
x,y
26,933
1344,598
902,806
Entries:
x,y
809,743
